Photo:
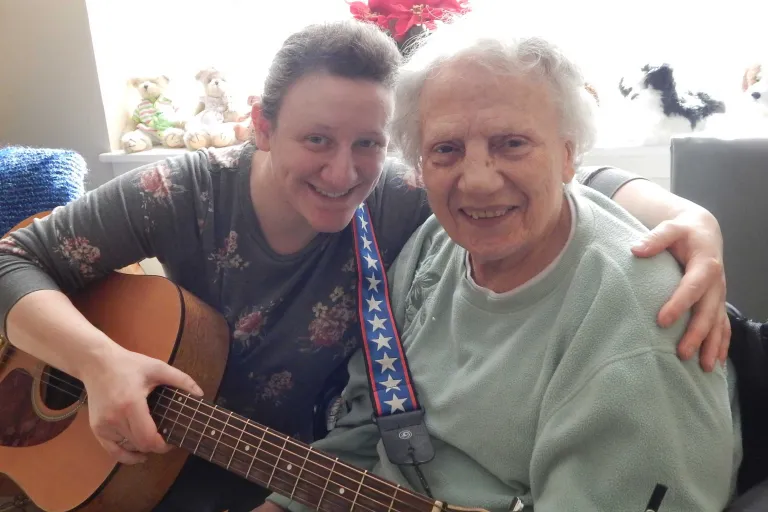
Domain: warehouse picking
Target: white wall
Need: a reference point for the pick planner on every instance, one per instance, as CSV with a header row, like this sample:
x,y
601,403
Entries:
x,y
49,89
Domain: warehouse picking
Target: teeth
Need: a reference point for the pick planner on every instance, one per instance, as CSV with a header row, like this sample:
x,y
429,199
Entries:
x,y
330,194
486,214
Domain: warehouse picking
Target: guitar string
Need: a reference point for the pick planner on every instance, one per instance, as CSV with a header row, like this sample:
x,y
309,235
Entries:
x,y
261,430
264,461
305,459
262,439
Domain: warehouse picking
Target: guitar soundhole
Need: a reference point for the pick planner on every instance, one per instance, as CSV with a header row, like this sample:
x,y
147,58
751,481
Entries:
x,y
59,390
20,424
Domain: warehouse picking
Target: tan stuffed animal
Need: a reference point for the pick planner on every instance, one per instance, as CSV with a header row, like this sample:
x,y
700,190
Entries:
x,y
214,118
244,128
155,120
755,85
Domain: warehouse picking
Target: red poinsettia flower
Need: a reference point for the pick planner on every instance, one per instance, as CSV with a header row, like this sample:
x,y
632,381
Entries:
x,y
399,16
408,13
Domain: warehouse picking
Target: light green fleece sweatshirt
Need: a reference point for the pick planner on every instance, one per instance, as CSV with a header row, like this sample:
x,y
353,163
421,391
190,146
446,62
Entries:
x,y
564,392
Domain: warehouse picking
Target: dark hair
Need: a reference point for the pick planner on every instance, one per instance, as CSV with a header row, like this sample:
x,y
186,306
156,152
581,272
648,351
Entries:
x,y
349,49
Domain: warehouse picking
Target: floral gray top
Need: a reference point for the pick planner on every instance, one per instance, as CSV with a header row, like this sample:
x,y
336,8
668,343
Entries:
x,y
293,318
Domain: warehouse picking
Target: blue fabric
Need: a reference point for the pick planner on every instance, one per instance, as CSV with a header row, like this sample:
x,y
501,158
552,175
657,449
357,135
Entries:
x,y
33,180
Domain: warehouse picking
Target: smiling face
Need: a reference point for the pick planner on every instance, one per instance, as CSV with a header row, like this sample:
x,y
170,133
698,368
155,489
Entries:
x,y
327,147
493,160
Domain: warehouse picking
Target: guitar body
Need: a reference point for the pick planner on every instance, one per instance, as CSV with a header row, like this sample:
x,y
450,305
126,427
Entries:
x,y
46,444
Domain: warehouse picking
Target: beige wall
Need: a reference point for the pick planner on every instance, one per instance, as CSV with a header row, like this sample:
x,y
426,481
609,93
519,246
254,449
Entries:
x,y
49,88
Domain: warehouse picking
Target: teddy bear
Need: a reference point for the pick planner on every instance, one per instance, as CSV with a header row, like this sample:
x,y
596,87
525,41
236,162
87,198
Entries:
x,y
214,118
755,85
155,120
244,128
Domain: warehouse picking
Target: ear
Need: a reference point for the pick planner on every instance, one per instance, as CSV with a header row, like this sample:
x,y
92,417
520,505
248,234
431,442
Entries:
x,y
661,78
202,75
134,82
569,168
750,76
262,129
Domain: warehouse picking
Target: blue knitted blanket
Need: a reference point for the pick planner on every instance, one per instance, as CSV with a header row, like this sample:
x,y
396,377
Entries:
x,y
33,180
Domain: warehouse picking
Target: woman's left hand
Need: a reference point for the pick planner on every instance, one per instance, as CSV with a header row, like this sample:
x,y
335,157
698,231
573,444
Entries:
x,y
695,240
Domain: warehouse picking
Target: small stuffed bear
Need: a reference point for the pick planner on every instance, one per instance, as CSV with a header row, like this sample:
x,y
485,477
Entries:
x,y
155,119
244,128
755,85
214,119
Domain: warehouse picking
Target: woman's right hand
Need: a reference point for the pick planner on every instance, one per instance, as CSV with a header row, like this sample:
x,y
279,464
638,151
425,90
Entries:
x,y
117,402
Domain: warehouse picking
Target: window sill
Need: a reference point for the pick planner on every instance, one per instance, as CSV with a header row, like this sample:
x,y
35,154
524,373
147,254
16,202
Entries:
x,y
652,162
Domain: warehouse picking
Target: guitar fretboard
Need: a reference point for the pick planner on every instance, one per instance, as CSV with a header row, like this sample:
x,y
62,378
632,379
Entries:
x,y
275,461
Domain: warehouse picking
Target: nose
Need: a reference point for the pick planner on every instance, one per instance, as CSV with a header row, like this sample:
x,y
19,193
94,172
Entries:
x,y
146,86
216,82
480,175
340,171
756,95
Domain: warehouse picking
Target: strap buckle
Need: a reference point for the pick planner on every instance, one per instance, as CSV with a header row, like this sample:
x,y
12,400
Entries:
x,y
405,437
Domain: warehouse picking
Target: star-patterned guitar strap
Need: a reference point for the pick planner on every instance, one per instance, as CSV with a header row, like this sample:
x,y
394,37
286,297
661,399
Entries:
x,y
397,412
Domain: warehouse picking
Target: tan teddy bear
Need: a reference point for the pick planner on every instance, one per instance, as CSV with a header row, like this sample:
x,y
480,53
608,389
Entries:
x,y
215,117
754,83
155,120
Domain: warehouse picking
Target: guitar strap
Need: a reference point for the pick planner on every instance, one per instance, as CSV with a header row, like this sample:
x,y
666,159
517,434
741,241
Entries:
x,y
397,412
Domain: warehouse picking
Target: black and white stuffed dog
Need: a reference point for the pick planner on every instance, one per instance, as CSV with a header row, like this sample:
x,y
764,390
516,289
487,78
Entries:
x,y
666,109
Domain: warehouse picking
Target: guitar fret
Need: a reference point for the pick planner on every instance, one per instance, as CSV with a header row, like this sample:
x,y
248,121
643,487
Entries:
x,y
237,443
277,462
301,470
394,497
221,433
202,434
189,424
327,481
357,494
255,453
290,468
165,410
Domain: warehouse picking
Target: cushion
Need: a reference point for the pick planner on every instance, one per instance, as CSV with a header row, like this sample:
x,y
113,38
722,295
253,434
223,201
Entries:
x,y
33,180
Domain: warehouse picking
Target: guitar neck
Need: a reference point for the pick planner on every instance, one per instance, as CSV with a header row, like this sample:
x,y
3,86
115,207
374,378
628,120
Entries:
x,y
275,461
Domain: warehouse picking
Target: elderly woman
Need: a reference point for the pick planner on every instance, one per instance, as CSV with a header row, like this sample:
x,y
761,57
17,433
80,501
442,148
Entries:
x,y
528,327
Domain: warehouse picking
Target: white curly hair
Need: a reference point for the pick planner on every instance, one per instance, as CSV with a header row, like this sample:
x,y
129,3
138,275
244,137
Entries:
x,y
497,46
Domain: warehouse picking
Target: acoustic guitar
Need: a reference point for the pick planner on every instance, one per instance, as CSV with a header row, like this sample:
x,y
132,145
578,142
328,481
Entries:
x,y
48,449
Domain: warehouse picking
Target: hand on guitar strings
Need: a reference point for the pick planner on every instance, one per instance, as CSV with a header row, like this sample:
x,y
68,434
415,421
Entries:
x,y
117,402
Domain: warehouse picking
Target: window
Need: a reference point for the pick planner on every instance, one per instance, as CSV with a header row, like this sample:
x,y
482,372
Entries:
x,y
709,45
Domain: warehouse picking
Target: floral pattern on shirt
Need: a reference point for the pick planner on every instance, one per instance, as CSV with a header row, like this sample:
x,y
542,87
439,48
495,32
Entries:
x,y
156,187
248,328
205,199
155,183
350,265
331,322
11,246
226,257
78,252
273,388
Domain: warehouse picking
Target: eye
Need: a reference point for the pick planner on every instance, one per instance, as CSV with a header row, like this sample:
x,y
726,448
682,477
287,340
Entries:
x,y
514,143
369,143
445,154
317,142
